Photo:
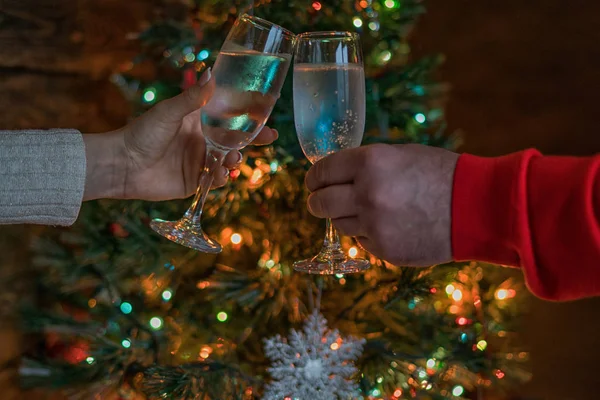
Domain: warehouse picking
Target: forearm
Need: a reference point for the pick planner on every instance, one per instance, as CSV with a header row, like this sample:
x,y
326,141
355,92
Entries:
x,y
106,166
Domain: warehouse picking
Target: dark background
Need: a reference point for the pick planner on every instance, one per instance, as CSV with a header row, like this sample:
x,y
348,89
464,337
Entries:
x,y
523,74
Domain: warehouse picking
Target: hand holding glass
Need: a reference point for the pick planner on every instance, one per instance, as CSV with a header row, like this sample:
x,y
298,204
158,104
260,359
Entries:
x,y
249,74
329,113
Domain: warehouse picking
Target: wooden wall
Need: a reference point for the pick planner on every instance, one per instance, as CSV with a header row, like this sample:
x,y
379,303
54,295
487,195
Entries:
x,y
56,57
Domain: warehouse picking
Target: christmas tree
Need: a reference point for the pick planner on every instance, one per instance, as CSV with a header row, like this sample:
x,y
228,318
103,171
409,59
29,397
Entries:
x,y
124,312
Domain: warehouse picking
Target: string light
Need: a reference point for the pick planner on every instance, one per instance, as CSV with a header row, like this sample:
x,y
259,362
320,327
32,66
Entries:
x,y
481,345
236,238
189,57
504,294
499,374
334,346
150,95
205,352
420,118
256,175
222,316
357,22
463,337
90,360
156,323
461,321
390,3
454,309
450,289
339,276
203,284
126,343
374,25
270,264
317,6
274,166
422,374
385,56
126,308
457,390
375,392
457,295
430,363
170,267
167,294
397,392
203,55
353,252
92,303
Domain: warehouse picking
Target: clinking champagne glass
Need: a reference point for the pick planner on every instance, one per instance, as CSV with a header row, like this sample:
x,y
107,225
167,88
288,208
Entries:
x,y
249,74
329,113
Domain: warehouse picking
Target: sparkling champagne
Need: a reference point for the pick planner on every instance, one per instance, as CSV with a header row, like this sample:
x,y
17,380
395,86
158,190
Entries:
x,y
247,87
329,107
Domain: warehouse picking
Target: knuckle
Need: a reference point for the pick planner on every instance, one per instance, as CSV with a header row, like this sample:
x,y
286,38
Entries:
x,y
374,197
316,177
321,173
317,205
161,109
191,95
372,159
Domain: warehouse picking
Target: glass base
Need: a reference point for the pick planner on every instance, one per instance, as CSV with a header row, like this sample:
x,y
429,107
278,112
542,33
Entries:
x,y
186,233
328,265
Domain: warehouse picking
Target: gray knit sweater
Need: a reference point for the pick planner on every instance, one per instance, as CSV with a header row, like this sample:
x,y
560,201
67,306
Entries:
x,y
42,176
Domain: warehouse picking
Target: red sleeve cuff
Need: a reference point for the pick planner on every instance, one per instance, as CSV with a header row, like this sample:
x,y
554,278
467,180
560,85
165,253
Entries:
x,y
539,213
485,196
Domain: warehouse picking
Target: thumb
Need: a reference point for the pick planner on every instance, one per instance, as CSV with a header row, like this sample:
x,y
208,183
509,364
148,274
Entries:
x,y
193,98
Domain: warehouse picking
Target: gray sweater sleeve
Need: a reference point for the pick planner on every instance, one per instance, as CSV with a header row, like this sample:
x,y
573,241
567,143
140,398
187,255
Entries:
x,y
42,176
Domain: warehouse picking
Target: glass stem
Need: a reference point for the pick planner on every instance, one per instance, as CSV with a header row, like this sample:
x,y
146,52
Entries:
x,y
332,239
214,159
331,251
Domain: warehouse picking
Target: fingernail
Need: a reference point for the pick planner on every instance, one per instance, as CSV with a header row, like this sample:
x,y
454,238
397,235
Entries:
x,y
224,172
238,157
205,77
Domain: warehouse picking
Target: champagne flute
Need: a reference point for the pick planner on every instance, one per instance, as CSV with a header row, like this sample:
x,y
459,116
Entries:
x,y
329,113
249,74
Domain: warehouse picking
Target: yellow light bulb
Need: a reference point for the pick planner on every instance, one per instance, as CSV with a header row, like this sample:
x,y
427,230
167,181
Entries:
x,y
457,295
353,252
236,238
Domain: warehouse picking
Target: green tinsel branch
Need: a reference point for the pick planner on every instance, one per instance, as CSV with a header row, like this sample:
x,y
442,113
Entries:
x,y
202,380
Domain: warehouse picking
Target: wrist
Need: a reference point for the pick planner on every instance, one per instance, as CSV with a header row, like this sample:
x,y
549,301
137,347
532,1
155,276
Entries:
x,y
106,169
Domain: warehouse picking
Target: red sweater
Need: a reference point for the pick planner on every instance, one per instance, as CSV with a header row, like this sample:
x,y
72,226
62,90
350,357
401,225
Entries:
x,y
539,213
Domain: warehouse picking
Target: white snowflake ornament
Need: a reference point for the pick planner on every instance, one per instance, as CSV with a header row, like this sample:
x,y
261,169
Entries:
x,y
314,364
